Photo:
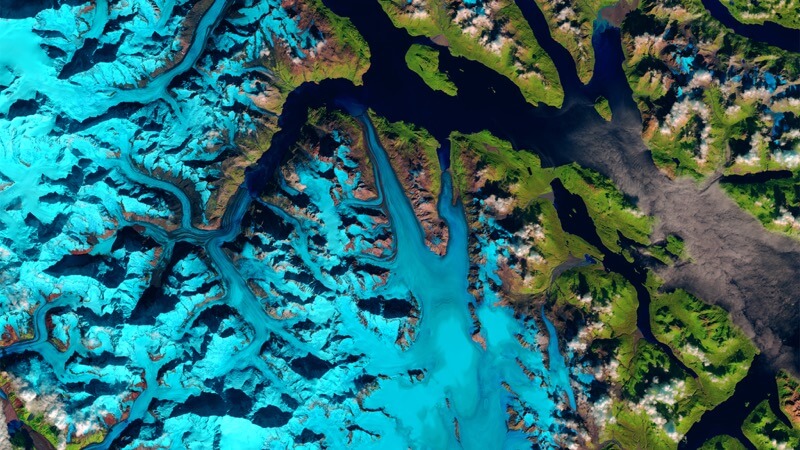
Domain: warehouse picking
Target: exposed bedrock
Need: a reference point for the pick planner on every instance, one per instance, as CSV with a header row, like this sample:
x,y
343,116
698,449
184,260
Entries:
x,y
735,262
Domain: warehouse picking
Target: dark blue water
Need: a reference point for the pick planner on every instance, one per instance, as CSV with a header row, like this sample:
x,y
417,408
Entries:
x,y
489,101
485,100
562,59
769,33
727,417
758,177
575,220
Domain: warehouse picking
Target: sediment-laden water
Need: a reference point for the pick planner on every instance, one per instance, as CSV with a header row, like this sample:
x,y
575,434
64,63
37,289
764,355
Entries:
x,y
444,389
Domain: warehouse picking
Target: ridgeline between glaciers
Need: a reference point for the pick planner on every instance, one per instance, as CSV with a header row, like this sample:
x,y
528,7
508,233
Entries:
x,y
737,264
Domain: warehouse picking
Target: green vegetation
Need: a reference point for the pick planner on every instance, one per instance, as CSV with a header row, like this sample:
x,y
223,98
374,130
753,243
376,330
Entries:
x,y
247,151
336,119
694,22
652,389
657,401
700,336
688,404
722,442
519,171
775,203
789,397
704,338
602,108
522,177
679,154
686,143
610,210
517,56
731,124
784,12
347,38
571,25
601,296
654,400
763,428
36,421
723,128
635,429
79,443
670,250
409,143
675,246
424,61
347,55
646,381
343,31
731,130
715,129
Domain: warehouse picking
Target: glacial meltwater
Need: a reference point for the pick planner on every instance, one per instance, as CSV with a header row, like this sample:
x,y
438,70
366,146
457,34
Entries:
x,y
270,327
463,385
300,312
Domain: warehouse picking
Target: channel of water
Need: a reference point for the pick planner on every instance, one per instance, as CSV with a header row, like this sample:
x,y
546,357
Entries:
x,y
486,100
